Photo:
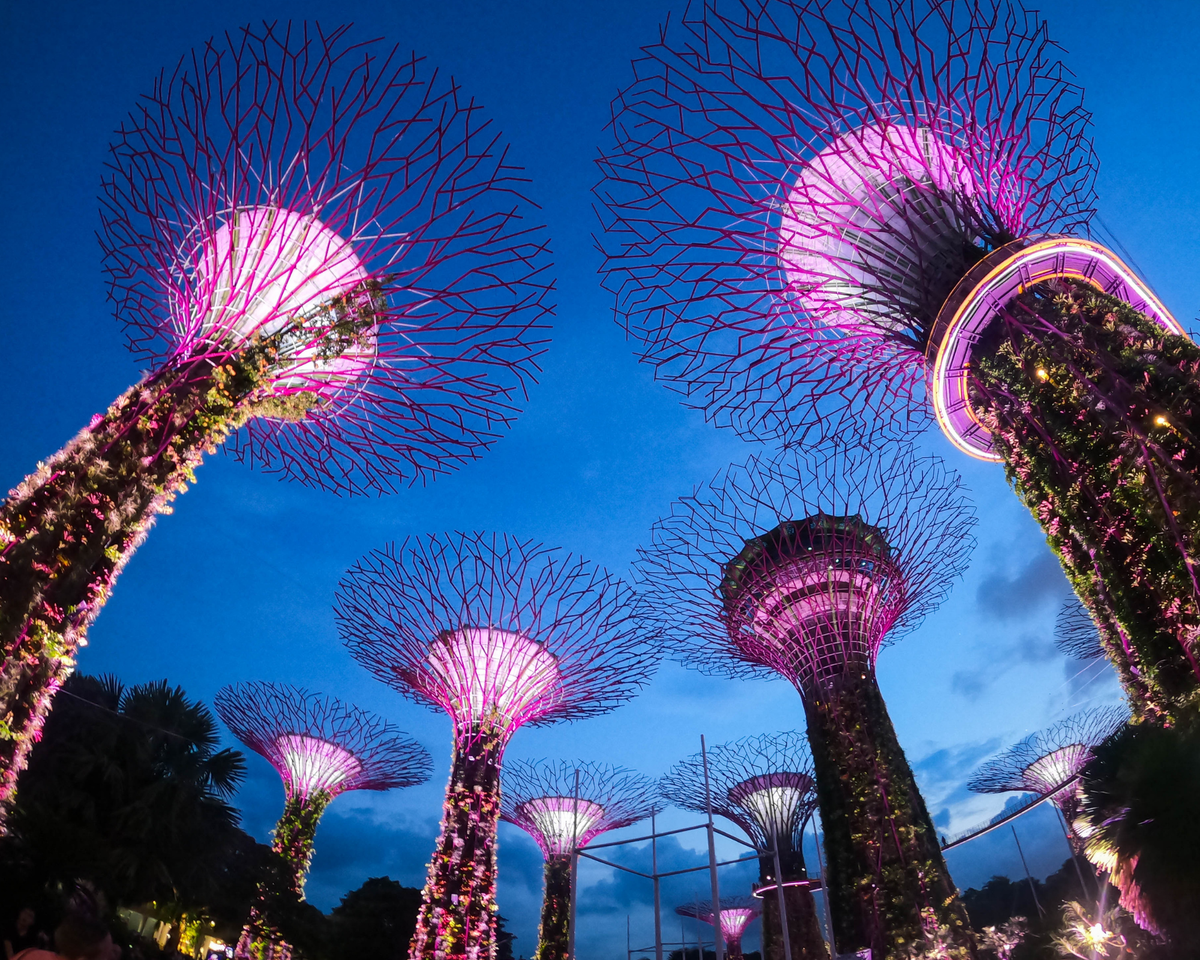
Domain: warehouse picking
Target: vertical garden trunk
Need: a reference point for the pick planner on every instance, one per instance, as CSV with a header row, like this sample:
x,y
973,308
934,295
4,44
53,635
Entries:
x,y
804,928
457,920
69,528
886,881
554,932
1095,410
296,831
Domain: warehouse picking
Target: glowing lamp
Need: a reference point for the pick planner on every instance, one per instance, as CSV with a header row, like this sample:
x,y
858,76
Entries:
x,y
266,271
312,765
491,673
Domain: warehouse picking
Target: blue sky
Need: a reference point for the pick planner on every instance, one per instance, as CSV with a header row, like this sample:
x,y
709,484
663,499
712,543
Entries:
x,y
238,583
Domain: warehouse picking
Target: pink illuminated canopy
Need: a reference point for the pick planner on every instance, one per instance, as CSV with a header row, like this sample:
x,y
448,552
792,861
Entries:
x,y
264,272
848,232
493,675
776,801
563,823
312,765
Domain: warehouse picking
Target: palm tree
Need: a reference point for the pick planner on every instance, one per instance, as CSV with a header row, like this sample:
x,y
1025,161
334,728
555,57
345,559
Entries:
x,y
1139,818
128,788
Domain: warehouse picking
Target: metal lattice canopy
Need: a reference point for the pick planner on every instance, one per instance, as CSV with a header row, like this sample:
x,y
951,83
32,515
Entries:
x,y
806,563
764,784
1050,757
496,630
1075,632
320,744
737,913
794,186
546,801
353,205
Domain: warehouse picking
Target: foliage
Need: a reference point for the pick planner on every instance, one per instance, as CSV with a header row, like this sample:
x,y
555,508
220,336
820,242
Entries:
x,y
69,528
296,831
1090,935
1138,817
889,886
1094,410
554,929
128,790
457,920
1004,939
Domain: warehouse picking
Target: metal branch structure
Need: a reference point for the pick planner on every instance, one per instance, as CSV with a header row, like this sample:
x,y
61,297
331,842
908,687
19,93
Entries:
x,y
321,248
498,633
737,913
565,806
803,566
766,786
838,217
1075,632
1050,758
321,748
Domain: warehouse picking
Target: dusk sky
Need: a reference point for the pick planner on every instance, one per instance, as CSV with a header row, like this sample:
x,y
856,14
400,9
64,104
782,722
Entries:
x,y
238,583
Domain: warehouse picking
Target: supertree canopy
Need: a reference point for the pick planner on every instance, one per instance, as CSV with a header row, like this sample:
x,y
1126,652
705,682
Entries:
x,y
1052,758
320,248
1075,632
803,566
765,785
835,217
564,806
737,913
497,632
321,748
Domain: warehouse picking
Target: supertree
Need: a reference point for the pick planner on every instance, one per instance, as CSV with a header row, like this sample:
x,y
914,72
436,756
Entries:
x,y
737,913
565,806
1052,758
803,566
833,217
1075,632
498,632
321,748
320,248
765,785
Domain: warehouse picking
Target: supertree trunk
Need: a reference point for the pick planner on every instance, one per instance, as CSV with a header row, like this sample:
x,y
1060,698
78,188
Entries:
x,y
804,929
296,831
886,879
733,949
554,932
67,530
1094,410
457,920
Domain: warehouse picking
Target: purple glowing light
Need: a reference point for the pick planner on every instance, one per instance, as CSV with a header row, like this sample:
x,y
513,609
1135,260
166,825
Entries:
x,y
312,765
562,824
776,801
264,272
737,913
319,744
806,564
540,798
562,638
379,236
734,921
1051,759
986,290
763,784
822,611
794,187
1056,768
486,673
847,229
